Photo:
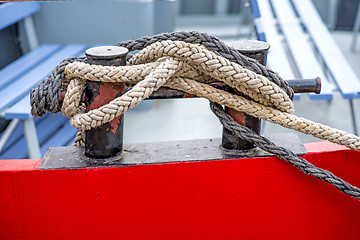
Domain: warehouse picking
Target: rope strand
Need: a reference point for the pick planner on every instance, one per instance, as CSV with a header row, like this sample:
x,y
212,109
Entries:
x,y
215,44
282,153
189,61
269,101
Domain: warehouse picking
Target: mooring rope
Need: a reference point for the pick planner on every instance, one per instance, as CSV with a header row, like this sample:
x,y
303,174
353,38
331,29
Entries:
x,y
285,154
46,96
215,44
188,65
271,103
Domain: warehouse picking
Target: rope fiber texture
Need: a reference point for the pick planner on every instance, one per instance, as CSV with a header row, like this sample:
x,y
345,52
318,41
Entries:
x,y
215,44
188,62
285,154
47,94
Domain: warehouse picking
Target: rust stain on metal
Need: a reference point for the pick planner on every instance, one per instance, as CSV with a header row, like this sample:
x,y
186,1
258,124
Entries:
x,y
188,95
318,86
298,85
239,117
107,93
105,141
62,96
115,124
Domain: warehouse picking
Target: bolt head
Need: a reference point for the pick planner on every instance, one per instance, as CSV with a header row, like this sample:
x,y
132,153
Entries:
x,y
106,52
250,46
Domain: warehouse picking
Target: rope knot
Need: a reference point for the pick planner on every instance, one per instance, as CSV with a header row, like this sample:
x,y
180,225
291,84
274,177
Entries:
x,y
188,62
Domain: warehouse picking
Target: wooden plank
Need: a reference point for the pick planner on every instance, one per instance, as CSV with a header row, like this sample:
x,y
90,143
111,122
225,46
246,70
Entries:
x,y
277,57
31,138
11,13
44,130
257,20
21,110
60,135
300,48
71,142
17,134
61,138
344,76
15,91
26,62
64,136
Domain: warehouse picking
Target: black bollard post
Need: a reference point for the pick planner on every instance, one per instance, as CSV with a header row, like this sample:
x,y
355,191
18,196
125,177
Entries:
x,y
230,143
106,141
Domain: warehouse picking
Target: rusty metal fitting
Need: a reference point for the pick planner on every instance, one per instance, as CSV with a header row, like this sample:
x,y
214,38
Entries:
x,y
106,141
230,143
104,144
312,85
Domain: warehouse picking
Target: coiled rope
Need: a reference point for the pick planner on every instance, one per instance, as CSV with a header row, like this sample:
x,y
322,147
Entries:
x,y
188,66
46,96
215,44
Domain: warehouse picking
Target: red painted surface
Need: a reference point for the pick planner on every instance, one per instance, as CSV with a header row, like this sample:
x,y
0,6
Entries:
x,y
107,93
239,117
188,95
19,164
258,198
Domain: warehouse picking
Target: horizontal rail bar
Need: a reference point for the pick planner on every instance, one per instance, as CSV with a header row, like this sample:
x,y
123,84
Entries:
x,y
312,85
305,85
298,85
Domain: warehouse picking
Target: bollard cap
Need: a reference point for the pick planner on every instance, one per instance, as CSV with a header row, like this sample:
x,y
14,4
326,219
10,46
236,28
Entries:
x,y
250,46
106,52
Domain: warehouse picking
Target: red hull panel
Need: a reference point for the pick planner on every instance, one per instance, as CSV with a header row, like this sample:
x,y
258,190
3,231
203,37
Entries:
x,y
258,198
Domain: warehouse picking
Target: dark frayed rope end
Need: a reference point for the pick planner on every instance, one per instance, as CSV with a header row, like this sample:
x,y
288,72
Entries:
x,y
282,153
47,94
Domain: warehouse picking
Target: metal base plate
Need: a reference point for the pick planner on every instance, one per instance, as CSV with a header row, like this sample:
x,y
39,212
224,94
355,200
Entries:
x,y
164,152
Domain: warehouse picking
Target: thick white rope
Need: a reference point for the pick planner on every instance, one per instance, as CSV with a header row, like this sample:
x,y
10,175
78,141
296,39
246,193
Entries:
x,y
188,67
